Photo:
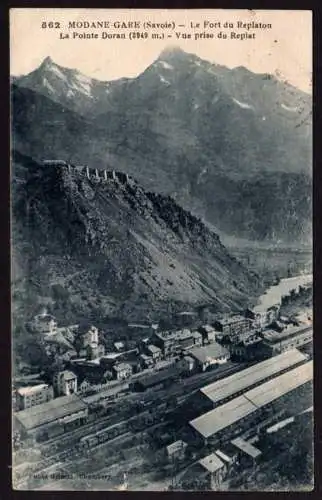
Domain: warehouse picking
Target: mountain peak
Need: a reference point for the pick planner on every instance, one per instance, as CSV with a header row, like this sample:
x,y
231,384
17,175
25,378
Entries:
x,y
173,51
47,61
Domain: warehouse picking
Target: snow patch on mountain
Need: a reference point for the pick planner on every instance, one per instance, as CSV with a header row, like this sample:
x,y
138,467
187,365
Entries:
x,y
163,80
243,105
82,84
48,85
55,69
165,65
288,108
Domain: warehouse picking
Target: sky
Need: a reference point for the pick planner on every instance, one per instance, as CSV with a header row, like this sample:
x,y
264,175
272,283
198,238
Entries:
x,y
284,50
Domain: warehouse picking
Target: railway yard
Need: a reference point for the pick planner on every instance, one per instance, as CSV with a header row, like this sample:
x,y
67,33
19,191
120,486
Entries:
x,y
194,421
121,442
79,446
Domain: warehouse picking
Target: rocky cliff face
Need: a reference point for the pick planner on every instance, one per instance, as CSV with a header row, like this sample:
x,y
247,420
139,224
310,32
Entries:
x,y
97,248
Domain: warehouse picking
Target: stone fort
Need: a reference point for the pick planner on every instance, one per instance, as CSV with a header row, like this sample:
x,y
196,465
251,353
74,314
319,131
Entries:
x,y
90,173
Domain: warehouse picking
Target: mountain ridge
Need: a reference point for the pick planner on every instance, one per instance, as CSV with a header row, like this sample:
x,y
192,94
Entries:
x,y
95,248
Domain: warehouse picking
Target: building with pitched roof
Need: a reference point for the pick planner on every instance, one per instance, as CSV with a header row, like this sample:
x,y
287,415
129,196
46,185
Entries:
x,y
26,397
213,354
65,383
51,418
254,408
206,474
122,371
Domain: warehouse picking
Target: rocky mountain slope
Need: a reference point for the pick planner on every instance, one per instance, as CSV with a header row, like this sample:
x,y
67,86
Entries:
x,y
229,145
97,248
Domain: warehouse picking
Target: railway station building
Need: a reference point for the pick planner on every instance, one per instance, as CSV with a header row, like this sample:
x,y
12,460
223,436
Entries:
x,y
51,418
252,411
224,390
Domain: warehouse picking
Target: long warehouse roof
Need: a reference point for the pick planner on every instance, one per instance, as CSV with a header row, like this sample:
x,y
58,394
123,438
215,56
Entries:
x,y
229,413
275,388
215,420
48,412
239,381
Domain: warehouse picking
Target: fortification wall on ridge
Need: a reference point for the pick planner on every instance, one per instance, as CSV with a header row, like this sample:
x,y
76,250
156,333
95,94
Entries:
x,y
89,173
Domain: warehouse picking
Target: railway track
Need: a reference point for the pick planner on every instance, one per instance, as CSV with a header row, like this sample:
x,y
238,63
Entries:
x,y
181,391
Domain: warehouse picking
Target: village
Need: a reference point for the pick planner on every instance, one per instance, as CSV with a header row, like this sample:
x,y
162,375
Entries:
x,y
106,391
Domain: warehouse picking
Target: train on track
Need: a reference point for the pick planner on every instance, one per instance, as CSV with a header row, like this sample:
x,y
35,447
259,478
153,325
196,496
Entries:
x,y
133,425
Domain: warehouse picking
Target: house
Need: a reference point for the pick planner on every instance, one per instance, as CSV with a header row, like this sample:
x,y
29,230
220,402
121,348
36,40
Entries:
x,y
173,342
146,361
187,363
122,371
206,356
185,339
233,327
206,474
135,364
142,344
263,315
84,386
94,351
248,350
208,333
154,351
45,323
198,341
176,450
88,333
65,383
109,360
26,397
